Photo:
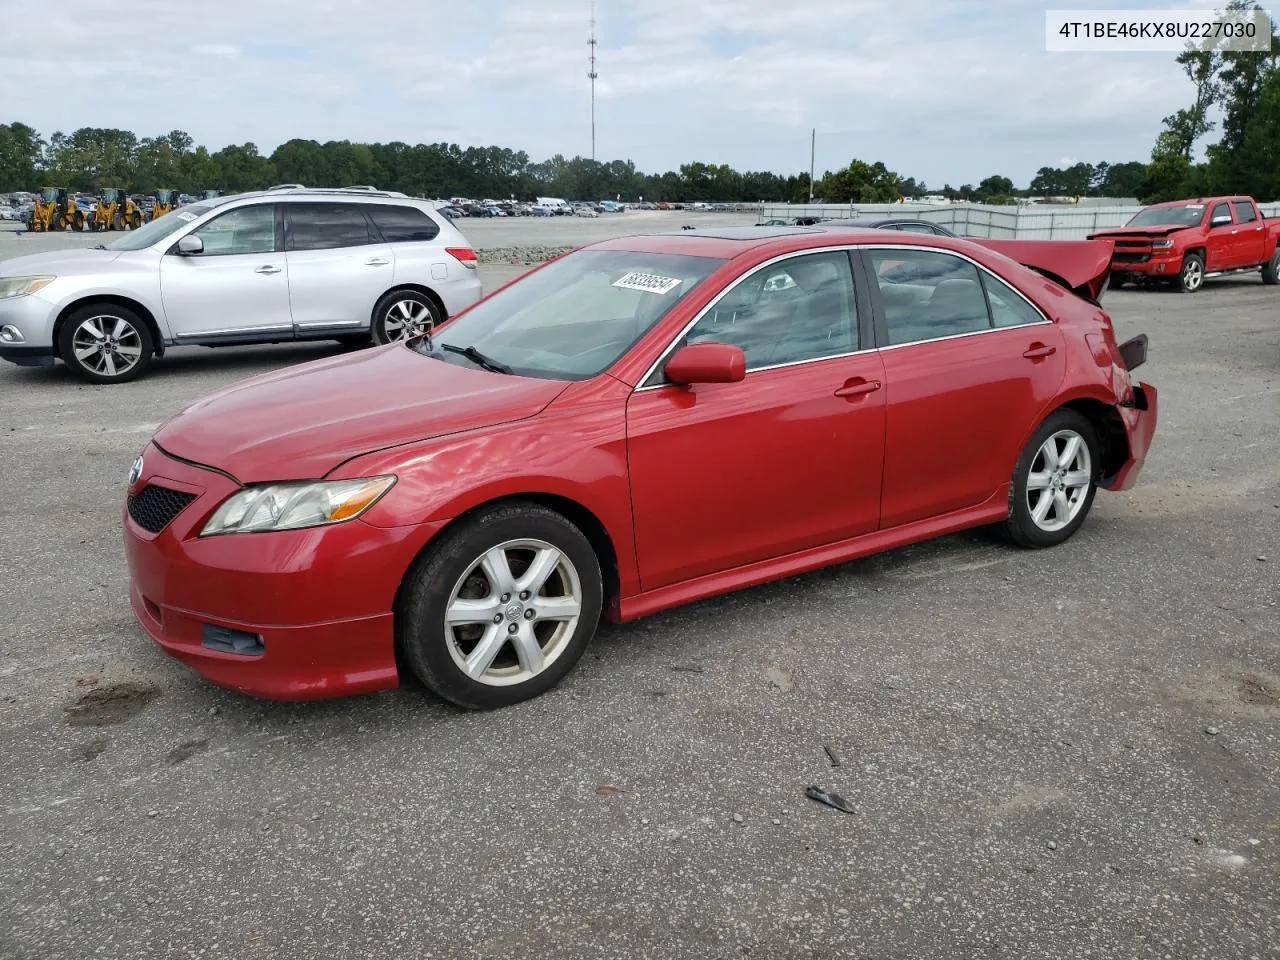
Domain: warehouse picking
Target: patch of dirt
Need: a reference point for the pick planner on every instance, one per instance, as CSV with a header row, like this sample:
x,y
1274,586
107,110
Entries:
x,y
780,678
1246,693
111,704
185,751
93,749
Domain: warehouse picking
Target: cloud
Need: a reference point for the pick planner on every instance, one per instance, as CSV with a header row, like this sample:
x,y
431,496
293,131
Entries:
x,y
944,90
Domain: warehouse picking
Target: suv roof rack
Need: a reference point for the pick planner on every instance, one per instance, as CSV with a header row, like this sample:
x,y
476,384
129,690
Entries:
x,y
286,186
364,191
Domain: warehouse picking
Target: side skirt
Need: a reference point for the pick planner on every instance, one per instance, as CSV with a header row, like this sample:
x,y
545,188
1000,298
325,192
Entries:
x,y
993,510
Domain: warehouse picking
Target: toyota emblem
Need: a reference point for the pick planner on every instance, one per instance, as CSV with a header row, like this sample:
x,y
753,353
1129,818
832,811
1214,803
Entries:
x,y
135,471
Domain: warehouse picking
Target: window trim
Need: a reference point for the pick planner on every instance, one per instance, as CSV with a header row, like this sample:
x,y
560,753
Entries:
x,y
882,328
1230,212
375,235
277,221
861,305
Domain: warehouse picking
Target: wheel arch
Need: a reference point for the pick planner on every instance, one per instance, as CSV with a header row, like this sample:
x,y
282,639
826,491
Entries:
x,y
113,299
416,288
577,513
1109,429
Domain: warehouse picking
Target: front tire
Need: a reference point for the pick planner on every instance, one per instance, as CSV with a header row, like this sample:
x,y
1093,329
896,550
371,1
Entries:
x,y
402,314
106,344
501,608
1054,481
1191,278
1271,270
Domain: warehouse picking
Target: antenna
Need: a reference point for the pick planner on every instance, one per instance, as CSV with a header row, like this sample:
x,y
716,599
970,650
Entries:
x,y
592,76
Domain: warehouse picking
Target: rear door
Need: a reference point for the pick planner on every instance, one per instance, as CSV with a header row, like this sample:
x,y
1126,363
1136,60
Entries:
x,y
1220,239
969,365
338,266
1251,235
411,235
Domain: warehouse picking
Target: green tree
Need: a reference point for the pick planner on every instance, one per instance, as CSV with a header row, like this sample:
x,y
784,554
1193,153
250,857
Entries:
x,y
20,151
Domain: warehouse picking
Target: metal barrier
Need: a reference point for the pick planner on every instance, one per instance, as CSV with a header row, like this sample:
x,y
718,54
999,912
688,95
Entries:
x,y
1029,222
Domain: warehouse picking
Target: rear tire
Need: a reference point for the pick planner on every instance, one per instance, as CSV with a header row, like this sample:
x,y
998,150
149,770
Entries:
x,y
105,344
1191,278
1054,481
402,314
501,607
1271,269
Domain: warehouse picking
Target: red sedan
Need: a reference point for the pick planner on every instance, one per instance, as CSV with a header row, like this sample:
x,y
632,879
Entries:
x,y
639,424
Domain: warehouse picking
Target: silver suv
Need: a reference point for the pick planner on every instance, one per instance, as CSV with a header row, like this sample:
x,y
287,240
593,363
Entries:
x,y
354,265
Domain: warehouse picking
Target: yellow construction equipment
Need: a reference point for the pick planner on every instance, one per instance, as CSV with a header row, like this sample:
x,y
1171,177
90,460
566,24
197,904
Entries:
x,y
164,201
115,211
55,210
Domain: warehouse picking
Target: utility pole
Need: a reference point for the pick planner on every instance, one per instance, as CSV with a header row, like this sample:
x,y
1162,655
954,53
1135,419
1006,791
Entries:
x,y
592,76
813,150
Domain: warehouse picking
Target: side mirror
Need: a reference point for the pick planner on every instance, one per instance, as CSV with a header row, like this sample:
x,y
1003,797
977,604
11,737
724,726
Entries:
x,y
1223,221
707,363
190,245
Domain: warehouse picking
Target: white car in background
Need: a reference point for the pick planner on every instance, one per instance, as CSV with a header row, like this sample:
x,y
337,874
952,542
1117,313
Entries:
x,y
270,267
8,213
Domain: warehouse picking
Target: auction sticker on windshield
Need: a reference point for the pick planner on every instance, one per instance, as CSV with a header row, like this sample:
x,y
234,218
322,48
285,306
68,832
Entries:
x,y
184,215
648,282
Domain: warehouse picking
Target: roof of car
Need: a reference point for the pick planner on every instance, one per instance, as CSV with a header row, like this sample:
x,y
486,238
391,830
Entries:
x,y
731,242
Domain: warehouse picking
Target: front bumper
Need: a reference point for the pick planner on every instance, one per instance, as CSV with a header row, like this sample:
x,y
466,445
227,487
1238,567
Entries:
x,y
1162,266
1140,427
320,599
32,317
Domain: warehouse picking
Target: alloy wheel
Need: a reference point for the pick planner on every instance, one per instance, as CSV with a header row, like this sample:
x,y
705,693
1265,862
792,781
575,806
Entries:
x,y
106,345
1059,481
513,612
405,319
1192,275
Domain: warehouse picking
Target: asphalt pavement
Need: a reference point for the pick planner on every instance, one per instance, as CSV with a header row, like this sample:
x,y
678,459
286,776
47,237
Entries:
x,y
1067,753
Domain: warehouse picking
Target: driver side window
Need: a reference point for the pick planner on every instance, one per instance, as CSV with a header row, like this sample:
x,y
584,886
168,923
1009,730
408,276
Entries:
x,y
1220,210
797,309
243,230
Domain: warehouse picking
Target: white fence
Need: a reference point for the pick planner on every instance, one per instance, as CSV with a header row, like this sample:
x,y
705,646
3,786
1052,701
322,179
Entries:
x,y
1031,222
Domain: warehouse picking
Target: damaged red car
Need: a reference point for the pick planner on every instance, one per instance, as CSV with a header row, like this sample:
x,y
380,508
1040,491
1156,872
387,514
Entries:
x,y
641,423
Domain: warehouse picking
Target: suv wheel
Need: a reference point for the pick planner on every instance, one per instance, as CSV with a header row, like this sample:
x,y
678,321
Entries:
x,y
105,344
402,314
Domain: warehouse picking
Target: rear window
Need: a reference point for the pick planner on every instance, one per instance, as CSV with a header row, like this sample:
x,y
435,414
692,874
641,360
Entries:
x,y
1244,211
403,224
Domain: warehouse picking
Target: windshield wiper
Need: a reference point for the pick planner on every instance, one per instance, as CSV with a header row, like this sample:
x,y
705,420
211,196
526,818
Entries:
x,y
99,246
478,358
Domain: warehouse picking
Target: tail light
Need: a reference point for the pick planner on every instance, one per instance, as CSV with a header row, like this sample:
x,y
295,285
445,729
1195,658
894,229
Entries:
x,y
464,255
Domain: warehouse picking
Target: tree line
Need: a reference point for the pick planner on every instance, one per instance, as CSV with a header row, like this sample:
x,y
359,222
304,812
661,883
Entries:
x,y
1245,88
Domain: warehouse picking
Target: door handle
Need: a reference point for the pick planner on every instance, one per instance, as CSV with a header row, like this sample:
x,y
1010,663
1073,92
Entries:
x,y
267,268
376,262
1038,351
857,387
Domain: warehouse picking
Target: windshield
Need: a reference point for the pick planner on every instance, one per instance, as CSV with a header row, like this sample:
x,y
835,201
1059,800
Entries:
x,y
575,317
49,194
1187,216
157,230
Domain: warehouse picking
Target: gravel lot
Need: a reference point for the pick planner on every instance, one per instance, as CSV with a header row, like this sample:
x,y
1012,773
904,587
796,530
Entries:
x,y
1071,753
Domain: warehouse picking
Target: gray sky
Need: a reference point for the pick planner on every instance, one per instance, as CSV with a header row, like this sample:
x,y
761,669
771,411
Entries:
x,y
944,90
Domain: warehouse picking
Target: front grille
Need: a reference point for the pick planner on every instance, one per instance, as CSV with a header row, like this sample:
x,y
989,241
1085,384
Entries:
x,y
156,506
1131,257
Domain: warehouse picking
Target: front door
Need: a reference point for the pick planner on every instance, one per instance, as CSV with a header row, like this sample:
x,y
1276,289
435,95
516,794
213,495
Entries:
x,y
969,365
338,268
724,475
236,288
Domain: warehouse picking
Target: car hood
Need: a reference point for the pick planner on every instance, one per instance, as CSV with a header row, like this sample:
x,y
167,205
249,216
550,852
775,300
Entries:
x,y
57,262
1153,231
302,422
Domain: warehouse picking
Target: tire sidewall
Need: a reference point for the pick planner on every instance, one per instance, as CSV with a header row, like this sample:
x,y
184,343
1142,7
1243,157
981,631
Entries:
x,y
378,329
67,333
420,630
1020,523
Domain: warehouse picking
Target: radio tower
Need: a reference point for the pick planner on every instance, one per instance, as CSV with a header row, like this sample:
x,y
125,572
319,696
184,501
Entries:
x,y
592,76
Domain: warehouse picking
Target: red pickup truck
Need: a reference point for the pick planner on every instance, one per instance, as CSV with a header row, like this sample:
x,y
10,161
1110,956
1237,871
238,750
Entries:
x,y
1188,241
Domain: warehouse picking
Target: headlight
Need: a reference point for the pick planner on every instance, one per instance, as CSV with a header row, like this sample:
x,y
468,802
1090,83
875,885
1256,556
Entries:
x,y
291,506
1161,244
21,286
